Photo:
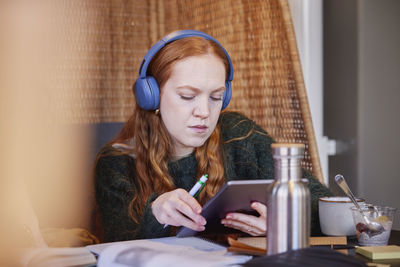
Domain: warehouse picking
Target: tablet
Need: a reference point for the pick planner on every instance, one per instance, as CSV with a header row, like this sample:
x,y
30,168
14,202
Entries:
x,y
234,196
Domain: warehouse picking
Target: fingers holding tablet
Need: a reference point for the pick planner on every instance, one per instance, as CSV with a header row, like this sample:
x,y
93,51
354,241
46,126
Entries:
x,y
250,224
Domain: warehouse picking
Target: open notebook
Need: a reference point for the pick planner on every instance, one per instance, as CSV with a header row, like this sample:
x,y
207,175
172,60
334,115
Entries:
x,y
168,251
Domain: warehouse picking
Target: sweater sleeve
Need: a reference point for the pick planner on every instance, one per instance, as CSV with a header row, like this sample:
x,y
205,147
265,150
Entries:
x,y
247,148
115,188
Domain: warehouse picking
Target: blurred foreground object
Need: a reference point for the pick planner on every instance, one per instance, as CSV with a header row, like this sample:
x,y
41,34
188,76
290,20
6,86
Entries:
x,y
73,237
43,157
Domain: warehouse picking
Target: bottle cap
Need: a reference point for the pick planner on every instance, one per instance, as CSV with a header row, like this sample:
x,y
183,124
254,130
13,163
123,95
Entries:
x,y
288,150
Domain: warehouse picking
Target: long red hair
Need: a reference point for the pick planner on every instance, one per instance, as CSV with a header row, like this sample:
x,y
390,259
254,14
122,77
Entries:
x,y
152,143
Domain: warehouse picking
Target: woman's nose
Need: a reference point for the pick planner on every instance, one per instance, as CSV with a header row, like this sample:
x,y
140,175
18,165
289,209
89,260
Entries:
x,y
202,108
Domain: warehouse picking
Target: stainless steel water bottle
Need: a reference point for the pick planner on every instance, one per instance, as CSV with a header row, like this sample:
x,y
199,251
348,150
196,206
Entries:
x,y
288,204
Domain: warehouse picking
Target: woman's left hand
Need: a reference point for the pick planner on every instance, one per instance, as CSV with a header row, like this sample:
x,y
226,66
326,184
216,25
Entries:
x,y
252,225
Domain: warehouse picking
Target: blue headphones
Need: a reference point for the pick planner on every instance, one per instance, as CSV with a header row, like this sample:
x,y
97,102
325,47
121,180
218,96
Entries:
x,y
146,88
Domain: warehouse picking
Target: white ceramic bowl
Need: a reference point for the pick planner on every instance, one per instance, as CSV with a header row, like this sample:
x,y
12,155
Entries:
x,y
335,216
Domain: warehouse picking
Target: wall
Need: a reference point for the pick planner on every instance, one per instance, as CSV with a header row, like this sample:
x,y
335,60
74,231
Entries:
x,y
340,85
361,82
307,22
379,110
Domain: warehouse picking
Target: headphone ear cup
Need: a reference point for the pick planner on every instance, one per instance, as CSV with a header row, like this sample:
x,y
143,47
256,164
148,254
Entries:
x,y
147,93
155,90
227,95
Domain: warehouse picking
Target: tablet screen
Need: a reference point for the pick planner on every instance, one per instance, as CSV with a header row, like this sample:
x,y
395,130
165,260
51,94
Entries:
x,y
234,196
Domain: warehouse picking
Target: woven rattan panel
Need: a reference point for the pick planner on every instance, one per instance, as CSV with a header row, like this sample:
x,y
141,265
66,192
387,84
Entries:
x,y
109,41
267,87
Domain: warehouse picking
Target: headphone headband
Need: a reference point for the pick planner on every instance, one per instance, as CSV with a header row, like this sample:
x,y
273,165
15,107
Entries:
x,y
147,90
173,36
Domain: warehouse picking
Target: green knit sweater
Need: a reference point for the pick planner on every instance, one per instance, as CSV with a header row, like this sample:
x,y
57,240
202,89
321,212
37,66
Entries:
x,y
245,158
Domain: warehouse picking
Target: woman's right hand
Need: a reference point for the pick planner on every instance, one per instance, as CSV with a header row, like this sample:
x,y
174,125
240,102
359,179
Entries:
x,y
172,207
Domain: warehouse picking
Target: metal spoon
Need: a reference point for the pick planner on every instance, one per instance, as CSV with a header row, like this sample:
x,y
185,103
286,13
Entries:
x,y
374,210
373,226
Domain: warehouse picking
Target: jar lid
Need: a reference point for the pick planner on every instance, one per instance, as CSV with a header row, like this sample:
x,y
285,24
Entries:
x,y
288,150
299,145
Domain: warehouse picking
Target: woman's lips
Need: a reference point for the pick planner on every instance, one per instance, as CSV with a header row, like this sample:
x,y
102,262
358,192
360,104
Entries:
x,y
199,128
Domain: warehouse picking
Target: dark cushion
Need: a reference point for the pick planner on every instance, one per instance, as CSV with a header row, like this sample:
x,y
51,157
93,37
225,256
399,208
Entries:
x,y
103,133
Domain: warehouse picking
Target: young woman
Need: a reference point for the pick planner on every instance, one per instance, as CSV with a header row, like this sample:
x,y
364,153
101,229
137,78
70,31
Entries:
x,y
176,134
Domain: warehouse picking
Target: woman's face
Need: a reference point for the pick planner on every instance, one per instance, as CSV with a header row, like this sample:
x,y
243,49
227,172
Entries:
x,y
191,101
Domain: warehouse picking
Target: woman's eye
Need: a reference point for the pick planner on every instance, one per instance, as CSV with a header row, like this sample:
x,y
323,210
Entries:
x,y
187,97
216,98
